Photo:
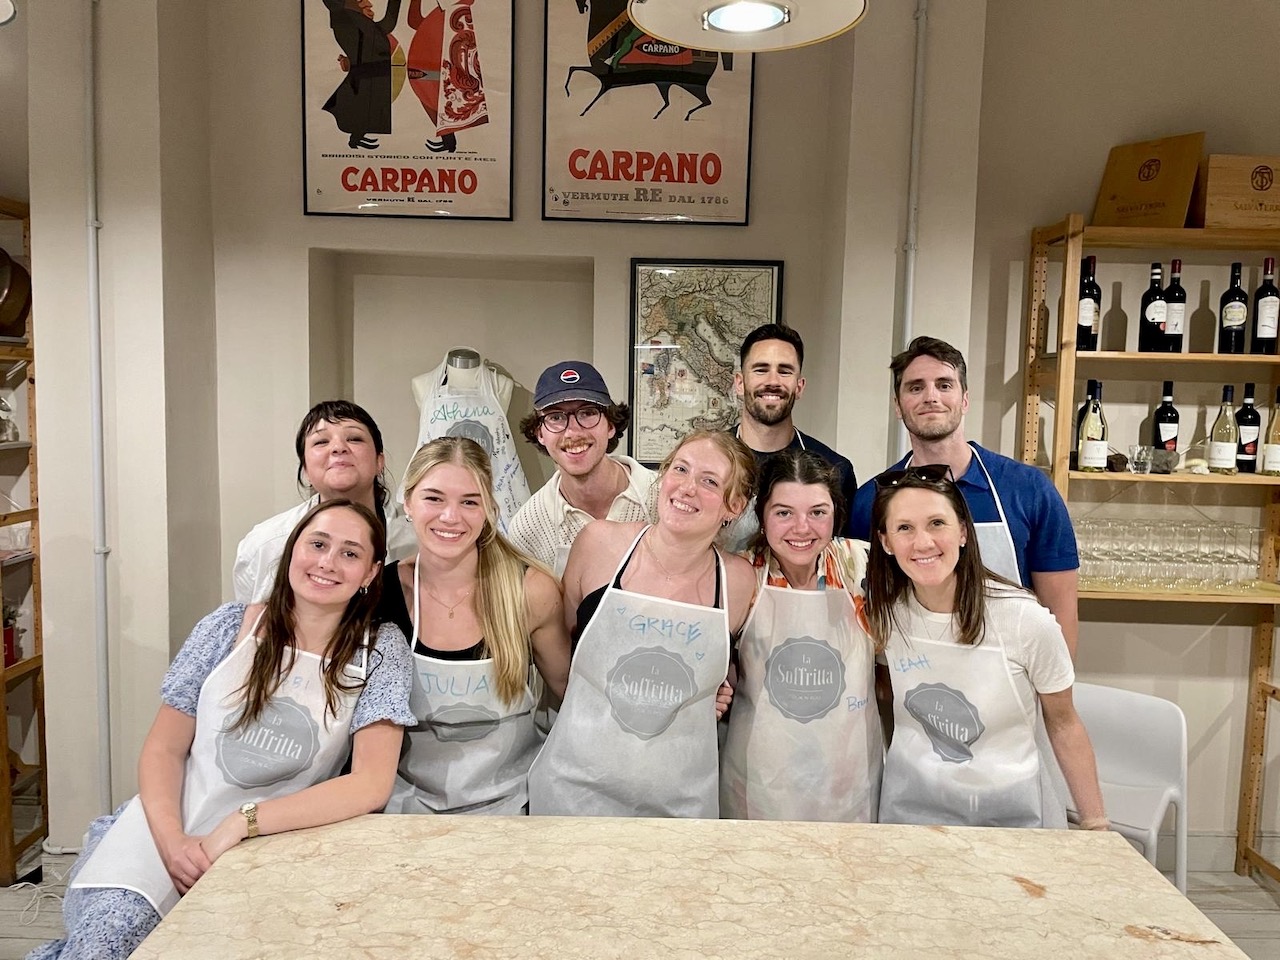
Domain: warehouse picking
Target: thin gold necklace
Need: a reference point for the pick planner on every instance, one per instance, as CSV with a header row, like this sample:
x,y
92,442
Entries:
x,y
445,605
667,573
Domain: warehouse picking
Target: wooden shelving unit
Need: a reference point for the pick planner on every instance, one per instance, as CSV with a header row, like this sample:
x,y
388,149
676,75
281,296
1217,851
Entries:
x,y
1052,368
24,789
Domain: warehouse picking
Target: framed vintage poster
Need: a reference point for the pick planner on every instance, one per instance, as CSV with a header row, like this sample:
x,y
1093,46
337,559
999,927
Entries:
x,y
635,128
407,107
688,319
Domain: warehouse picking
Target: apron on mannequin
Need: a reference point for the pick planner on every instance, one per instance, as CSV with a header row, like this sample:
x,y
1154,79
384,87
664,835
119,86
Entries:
x,y
470,752
636,734
290,747
477,415
804,740
964,749
995,544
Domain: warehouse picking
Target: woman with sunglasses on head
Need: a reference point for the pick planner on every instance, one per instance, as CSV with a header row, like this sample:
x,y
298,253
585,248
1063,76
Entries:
x,y
339,449
478,612
653,608
969,655
259,712
804,740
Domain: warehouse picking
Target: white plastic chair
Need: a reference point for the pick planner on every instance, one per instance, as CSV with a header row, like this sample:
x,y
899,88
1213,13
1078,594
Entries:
x,y
1140,742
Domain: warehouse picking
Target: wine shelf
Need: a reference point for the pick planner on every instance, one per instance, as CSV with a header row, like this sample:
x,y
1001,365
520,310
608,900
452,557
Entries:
x,y
1222,480
1264,594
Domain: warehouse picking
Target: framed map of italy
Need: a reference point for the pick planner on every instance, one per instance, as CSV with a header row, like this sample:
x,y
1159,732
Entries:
x,y
688,318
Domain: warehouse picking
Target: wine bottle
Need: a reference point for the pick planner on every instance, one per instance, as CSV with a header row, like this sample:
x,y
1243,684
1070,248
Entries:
x,y
1233,310
1090,391
1176,309
1164,422
1271,449
1091,452
1266,310
1154,314
1224,436
1090,306
1248,426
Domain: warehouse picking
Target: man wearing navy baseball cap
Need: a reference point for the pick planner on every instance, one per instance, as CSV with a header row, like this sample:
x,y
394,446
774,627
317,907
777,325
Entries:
x,y
576,423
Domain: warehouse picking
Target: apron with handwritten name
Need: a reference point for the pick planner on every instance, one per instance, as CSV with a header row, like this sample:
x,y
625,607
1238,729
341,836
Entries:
x,y
471,751
636,734
804,740
291,746
478,415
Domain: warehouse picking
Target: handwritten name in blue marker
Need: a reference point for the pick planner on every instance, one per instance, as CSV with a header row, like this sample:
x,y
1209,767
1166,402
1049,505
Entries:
x,y
686,630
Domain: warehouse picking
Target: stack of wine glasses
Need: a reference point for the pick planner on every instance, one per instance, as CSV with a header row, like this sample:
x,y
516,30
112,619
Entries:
x,y
1173,556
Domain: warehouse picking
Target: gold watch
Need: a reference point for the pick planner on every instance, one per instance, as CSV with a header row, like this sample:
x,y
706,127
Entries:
x,y
250,811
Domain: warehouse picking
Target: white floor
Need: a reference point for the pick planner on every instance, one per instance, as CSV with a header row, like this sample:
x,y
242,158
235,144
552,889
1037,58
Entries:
x,y
1246,911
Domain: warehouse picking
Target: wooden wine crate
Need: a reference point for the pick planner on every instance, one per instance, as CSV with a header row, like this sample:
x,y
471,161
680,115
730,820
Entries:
x,y
1149,184
1237,191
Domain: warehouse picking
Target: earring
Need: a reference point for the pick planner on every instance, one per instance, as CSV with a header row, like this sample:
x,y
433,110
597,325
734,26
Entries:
x,y
408,518
725,523
364,589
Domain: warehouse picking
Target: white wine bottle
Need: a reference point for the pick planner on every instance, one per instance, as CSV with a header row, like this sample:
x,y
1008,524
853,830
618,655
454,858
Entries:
x,y
1225,436
1091,454
1270,454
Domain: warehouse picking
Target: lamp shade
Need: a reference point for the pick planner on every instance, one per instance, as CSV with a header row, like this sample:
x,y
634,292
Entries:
x,y
745,26
7,11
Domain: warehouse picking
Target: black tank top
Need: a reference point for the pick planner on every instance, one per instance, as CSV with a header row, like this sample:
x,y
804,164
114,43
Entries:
x,y
393,609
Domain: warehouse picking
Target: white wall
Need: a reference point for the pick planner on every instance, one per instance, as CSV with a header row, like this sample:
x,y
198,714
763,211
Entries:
x,y
1062,83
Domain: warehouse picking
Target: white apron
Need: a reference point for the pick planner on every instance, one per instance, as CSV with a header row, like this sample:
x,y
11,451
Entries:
x,y
804,741
289,748
470,752
964,747
477,415
636,734
995,543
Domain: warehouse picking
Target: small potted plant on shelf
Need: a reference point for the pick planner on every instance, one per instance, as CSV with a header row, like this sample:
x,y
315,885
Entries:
x,y
10,619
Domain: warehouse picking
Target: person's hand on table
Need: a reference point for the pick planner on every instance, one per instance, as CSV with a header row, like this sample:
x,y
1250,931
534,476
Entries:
x,y
230,831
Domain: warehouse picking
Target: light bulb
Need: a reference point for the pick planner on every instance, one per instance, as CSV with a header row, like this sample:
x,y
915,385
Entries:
x,y
746,16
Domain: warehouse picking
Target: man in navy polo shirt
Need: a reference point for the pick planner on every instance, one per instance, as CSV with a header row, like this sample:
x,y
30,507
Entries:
x,y
1023,528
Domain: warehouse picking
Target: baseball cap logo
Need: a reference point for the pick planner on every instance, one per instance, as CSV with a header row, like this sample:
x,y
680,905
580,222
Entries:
x,y
570,376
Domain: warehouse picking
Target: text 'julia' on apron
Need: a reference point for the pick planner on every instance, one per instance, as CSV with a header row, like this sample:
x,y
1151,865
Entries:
x,y
471,751
636,734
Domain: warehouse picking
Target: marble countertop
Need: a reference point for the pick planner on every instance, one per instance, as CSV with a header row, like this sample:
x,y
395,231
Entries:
x,y
508,887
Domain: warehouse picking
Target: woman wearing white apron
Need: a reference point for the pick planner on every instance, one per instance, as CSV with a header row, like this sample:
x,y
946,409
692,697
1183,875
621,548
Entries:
x,y
969,655
460,398
654,607
259,712
481,611
804,740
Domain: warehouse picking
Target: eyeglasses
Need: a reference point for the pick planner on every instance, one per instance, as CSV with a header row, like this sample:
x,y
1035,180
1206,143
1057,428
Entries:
x,y
929,473
557,421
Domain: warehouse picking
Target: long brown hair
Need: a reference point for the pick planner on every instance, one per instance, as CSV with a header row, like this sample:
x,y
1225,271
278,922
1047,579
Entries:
x,y
888,586
277,649
498,598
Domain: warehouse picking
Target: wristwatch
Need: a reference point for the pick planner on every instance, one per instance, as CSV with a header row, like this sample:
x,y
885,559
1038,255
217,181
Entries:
x,y
250,811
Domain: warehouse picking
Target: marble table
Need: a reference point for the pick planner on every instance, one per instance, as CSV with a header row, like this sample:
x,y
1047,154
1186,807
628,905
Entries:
x,y
498,887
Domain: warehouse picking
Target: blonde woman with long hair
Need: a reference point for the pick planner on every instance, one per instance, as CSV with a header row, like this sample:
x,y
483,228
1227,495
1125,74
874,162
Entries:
x,y
655,607
477,611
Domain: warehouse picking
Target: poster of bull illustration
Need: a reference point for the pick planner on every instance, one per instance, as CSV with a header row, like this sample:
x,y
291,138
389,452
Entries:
x,y
639,129
407,107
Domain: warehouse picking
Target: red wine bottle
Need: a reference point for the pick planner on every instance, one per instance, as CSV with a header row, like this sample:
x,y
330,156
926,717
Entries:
x,y
1249,423
1266,311
1176,311
1233,311
1154,314
1164,422
1090,314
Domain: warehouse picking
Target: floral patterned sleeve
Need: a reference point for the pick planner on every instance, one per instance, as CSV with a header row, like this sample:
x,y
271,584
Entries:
x,y
386,692
210,642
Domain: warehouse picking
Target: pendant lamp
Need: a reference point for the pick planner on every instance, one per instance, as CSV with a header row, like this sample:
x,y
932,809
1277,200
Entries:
x,y
745,26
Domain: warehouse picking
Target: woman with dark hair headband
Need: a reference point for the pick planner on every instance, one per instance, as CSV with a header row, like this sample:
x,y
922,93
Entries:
x,y
339,448
804,740
970,656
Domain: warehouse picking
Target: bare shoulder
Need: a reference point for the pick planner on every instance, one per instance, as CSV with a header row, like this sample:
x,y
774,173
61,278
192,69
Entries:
x,y
741,575
603,538
541,590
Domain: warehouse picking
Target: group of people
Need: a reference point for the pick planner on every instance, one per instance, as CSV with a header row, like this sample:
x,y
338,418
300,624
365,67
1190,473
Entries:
x,y
679,677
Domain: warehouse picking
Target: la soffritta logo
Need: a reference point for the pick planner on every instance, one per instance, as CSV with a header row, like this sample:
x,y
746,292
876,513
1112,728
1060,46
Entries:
x,y
950,721
646,689
283,742
804,678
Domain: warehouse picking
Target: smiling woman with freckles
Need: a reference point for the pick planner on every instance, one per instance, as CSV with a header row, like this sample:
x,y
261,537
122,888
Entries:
x,y
804,741
969,655
478,613
653,609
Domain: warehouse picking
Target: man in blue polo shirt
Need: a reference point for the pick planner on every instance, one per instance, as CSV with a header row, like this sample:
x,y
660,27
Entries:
x,y
1024,531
